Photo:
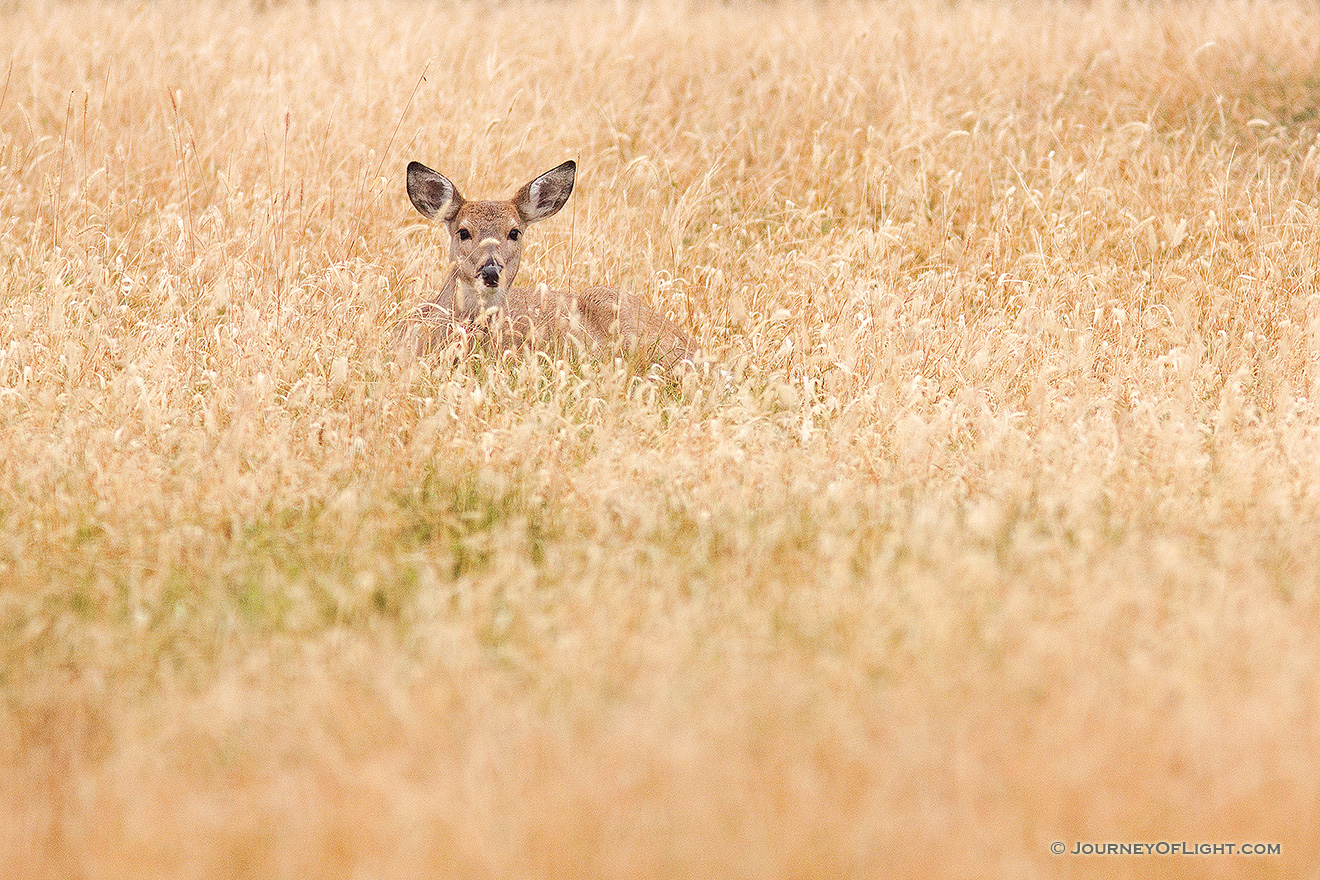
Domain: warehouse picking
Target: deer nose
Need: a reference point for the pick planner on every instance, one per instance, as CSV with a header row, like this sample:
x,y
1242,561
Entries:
x,y
490,274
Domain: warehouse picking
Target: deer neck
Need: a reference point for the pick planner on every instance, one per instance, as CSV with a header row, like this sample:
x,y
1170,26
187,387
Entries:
x,y
472,303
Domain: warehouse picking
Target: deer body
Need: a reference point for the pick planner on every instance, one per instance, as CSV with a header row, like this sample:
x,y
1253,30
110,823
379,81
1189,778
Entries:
x,y
478,302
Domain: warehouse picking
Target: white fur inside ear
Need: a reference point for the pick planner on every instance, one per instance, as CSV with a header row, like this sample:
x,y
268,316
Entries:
x,y
534,192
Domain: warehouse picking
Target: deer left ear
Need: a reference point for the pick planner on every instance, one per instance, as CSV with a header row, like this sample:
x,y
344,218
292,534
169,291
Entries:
x,y
544,196
432,194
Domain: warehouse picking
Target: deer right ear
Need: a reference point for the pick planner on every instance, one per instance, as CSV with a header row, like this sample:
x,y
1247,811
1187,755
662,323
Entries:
x,y
544,196
432,194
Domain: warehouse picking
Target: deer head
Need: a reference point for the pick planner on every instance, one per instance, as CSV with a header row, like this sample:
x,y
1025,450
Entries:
x,y
486,237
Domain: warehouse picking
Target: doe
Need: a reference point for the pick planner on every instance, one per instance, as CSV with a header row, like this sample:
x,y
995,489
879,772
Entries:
x,y
479,302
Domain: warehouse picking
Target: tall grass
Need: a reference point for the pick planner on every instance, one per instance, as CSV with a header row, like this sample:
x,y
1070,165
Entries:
x,y
1003,531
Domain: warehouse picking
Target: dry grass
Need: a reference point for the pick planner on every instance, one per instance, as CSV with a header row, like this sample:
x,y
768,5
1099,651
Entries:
x,y
1003,533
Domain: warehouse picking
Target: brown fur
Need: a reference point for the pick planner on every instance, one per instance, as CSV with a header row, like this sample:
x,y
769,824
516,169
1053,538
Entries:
x,y
478,305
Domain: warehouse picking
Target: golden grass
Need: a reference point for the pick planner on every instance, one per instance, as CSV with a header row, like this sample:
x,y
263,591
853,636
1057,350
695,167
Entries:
x,y
1004,531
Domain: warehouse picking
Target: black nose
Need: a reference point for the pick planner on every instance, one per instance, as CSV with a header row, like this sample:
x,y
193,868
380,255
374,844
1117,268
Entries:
x,y
490,275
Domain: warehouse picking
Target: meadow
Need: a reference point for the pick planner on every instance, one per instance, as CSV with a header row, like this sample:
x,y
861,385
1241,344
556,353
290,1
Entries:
x,y
993,527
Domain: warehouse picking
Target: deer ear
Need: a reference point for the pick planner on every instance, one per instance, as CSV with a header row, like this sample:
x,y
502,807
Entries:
x,y
432,194
544,196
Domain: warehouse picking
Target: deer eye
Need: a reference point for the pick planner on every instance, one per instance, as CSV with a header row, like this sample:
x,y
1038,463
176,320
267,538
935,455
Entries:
x,y
515,234
464,235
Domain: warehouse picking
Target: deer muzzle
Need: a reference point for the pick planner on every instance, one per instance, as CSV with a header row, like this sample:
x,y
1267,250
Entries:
x,y
490,274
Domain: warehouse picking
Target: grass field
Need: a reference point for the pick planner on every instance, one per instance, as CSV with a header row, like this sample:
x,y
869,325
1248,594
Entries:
x,y
1002,533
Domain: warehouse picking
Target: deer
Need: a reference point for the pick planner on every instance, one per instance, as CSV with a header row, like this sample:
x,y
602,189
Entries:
x,y
478,304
